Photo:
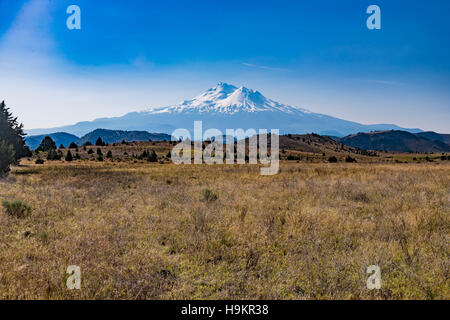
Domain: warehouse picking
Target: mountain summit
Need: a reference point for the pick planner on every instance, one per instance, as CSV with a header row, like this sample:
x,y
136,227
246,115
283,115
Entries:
x,y
226,106
228,99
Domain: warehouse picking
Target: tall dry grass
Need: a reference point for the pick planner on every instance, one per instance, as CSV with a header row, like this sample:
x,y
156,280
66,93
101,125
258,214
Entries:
x,y
145,231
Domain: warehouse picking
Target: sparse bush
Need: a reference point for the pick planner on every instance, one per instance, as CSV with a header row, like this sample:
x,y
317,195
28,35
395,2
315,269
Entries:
x,y
16,208
100,157
99,152
291,157
44,237
149,156
90,151
350,159
359,196
332,159
143,155
152,157
109,154
209,196
39,161
52,154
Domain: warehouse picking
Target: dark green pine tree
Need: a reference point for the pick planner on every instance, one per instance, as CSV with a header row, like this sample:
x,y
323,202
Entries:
x,y
99,142
6,157
47,144
69,156
11,132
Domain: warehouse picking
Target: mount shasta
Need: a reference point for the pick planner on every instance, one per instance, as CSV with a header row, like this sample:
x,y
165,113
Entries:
x,y
226,107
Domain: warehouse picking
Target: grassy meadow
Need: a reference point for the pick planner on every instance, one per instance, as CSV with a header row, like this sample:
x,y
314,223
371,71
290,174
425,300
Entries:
x,y
143,230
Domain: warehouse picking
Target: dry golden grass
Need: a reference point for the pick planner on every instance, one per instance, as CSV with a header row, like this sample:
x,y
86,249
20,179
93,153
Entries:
x,y
144,231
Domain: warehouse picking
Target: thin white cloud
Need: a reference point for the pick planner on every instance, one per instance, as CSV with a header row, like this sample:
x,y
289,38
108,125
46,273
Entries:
x,y
28,44
263,67
385,82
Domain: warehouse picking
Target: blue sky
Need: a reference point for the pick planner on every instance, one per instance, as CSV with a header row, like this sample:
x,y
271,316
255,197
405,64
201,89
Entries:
x,y
319,55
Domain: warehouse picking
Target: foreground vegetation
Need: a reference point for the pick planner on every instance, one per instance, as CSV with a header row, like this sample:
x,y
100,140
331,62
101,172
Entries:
x,y
12,140
142,230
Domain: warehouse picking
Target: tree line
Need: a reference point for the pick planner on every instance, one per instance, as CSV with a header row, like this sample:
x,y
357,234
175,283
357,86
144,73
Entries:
x,y
12,140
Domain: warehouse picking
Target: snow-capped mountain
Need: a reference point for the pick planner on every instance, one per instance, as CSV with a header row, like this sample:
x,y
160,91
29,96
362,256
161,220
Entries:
x,y
226,107
228,99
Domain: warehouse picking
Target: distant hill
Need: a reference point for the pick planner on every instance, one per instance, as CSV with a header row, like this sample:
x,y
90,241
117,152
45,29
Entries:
x,y
446,138
108,136
59,137
114,136
395,140
430,135
315,143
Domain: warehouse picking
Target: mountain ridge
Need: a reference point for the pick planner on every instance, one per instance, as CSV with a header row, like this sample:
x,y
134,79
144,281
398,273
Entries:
x,y
60,138
115,136
108,136
226,106
395,141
